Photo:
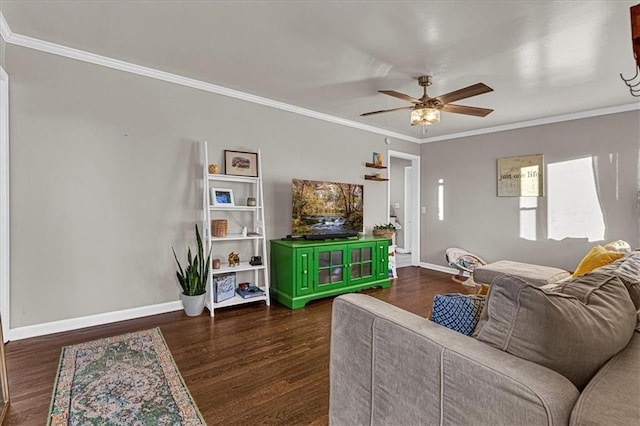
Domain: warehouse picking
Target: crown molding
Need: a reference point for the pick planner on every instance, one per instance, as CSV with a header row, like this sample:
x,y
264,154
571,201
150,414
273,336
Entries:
x,y
5,31
80,55
538,122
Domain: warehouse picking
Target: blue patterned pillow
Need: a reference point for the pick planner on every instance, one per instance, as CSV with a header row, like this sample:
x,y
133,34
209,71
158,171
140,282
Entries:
x,y
458,312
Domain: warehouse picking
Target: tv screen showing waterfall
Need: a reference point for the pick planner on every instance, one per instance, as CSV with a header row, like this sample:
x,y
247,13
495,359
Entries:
x,y
326,208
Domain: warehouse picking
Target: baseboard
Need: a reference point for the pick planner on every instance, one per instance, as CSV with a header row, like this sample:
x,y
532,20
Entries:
x,y
91,320
439,268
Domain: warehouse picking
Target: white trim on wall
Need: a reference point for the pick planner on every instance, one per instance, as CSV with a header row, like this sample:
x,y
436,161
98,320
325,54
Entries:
x,y
92,320
439,268
68,52
5,31
415,235
539,122
5,248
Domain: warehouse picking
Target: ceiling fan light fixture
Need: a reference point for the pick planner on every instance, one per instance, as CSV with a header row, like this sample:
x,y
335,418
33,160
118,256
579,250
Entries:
x,y
425,116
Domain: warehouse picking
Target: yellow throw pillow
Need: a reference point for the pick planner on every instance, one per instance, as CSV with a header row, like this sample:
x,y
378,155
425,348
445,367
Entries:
x,y
598,256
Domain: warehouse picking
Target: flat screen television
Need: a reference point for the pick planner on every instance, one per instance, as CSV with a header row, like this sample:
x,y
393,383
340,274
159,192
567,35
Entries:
x,y
326,209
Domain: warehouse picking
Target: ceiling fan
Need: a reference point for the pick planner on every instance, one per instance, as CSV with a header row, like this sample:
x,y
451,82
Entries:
x,y
426,110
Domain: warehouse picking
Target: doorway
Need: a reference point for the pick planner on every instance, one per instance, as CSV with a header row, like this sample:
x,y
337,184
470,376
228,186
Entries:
x,y
403,202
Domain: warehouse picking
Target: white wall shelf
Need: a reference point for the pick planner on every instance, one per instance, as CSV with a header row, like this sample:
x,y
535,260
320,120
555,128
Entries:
x,y
244,266
237,237
231,178
235,208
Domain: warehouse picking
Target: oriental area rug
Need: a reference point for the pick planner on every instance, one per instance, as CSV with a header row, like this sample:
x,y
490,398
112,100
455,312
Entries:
x,y
130,379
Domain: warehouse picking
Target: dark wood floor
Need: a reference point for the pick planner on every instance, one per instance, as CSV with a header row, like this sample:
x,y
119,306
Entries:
x,y
248,365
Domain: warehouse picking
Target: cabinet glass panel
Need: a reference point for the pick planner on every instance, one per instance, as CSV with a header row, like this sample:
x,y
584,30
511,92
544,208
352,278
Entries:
x,y
366,253
366,269
336,275
361,263
330,267
355,272
324,259
323,276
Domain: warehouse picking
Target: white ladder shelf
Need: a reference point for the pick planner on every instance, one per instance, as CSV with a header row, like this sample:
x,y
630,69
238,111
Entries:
x,y
256,236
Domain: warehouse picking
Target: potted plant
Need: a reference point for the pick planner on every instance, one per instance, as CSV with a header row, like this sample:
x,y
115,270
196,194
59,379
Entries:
x,y
385,231
193,278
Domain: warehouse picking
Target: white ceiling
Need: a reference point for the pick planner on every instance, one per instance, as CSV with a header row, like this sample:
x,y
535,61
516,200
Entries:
x,y
542,58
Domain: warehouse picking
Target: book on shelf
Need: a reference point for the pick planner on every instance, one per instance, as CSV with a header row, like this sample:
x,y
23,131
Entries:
x,y
249,290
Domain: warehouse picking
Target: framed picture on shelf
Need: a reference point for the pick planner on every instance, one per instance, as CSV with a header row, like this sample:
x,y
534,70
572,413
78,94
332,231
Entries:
x,y
222,197
224,286
238,163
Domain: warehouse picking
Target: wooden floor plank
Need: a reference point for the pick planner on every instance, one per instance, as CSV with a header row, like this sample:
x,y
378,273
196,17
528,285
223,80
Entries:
x,y
249,365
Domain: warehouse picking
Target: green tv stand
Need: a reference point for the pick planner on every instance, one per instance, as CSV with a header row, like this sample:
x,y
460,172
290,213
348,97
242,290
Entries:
x,y
303,270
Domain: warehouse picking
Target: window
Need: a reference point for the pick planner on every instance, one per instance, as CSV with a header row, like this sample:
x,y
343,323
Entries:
x,y
574,209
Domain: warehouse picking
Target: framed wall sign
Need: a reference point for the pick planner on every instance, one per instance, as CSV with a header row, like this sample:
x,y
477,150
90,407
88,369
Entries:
x,y
521,176
222,197
238,163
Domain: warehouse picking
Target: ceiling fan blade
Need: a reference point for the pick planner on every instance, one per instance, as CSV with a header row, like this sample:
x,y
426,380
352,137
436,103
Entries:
x,y
467,92
384,110
468,110
400,96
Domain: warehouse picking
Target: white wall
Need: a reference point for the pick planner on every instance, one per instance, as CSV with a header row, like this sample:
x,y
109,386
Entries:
x,y
487,225
105,169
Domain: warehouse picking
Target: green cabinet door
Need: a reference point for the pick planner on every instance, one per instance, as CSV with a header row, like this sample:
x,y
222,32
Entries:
x,y
382,259
304,271
331,266
361,265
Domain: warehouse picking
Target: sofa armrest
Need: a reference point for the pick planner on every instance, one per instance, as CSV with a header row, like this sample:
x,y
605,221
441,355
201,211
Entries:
x,y
389,366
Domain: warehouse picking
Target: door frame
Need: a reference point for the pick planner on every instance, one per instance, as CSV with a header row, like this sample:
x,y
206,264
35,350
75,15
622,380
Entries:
x,y
5,258
415,196
406,216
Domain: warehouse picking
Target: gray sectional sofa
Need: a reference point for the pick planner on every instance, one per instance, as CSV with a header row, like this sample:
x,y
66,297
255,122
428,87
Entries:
x,y
564,353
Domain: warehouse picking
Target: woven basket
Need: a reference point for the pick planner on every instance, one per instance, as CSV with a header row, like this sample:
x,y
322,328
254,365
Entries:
x,y
219,227
384,233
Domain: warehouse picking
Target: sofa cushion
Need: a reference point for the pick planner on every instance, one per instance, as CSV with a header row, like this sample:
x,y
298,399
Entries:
x,y
596,257
572,334
534,274
612,397
628,270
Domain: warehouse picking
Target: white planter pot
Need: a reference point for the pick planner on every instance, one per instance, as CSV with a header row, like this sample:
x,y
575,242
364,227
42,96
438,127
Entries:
x,y
193,305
